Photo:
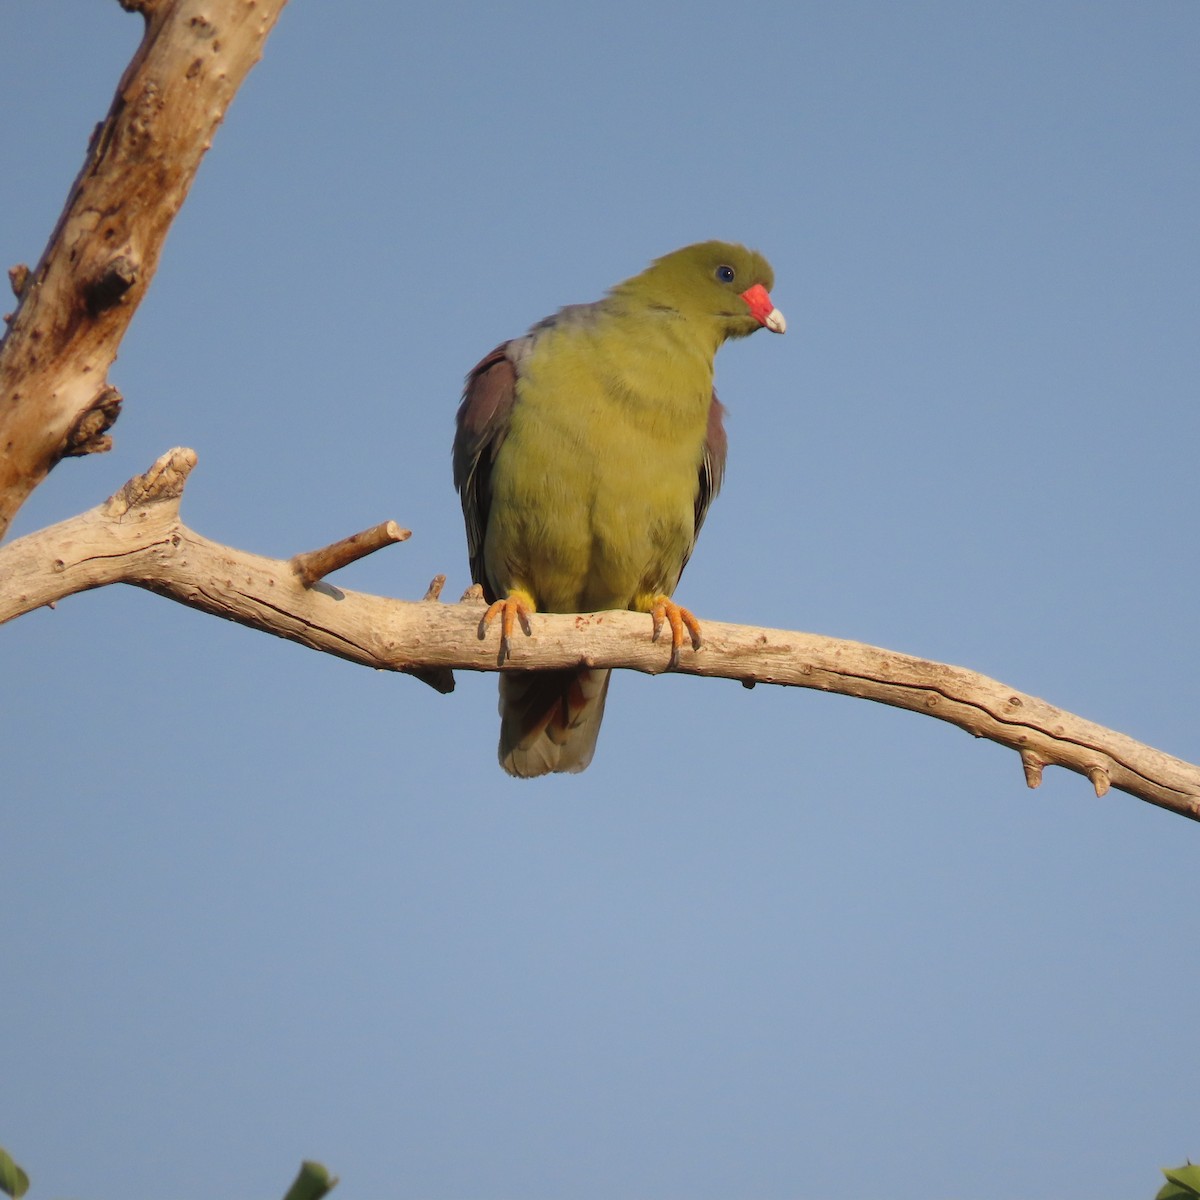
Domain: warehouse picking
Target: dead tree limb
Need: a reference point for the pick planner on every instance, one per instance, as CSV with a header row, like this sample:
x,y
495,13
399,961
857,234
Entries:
x,y
137,537
56,401
75,305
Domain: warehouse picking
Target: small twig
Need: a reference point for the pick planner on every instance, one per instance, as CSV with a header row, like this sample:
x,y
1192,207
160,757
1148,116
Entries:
x,y
434,590
316,564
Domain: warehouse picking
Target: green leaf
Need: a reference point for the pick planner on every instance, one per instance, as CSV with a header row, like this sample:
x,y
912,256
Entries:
x,y
313,1182
1183,1183
13,1181
1172,1191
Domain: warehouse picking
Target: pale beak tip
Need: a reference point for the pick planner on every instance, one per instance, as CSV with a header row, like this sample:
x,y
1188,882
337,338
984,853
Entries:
x,y
775,321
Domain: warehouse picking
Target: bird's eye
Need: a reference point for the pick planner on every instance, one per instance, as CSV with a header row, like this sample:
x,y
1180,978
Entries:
x,y
726,274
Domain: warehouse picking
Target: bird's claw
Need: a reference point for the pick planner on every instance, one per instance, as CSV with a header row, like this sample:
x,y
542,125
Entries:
x,y
510,610
666,610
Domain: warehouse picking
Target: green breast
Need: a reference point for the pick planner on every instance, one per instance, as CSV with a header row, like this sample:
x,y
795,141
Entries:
x,y
594,490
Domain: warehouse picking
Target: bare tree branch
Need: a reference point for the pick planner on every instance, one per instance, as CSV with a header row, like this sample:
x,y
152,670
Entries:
x,y
55,401
137,537
74,307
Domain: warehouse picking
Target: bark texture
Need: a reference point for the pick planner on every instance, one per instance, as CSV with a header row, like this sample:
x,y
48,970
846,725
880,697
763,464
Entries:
x,y
137,537
76,304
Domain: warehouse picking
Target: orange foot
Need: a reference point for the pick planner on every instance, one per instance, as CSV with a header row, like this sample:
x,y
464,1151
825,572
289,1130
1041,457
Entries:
x,y
665,609
518,606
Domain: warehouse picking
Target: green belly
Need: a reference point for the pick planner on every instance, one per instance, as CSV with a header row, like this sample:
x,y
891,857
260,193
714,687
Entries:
x,y
594,490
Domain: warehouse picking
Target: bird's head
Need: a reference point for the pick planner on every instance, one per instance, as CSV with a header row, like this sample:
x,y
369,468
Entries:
x,y
720,283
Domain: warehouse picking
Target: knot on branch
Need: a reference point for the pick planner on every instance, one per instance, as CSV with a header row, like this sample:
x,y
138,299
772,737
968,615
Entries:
x,y
163,482
18,278
89,433
1034,764
1100,779
104,290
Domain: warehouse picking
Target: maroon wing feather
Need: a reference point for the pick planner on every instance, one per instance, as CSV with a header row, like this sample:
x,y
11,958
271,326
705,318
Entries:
x,y
712,465
712,468
480,429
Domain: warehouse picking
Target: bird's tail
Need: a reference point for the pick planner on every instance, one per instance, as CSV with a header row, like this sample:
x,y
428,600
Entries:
x,y
549,720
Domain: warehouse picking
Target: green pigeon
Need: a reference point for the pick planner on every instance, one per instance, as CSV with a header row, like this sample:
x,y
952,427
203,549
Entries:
x,y
586,455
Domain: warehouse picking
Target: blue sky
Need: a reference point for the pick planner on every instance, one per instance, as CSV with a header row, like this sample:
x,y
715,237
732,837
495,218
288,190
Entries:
x,y
260,905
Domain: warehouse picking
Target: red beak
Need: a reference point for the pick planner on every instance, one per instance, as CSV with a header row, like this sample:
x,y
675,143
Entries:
x,y
763,309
